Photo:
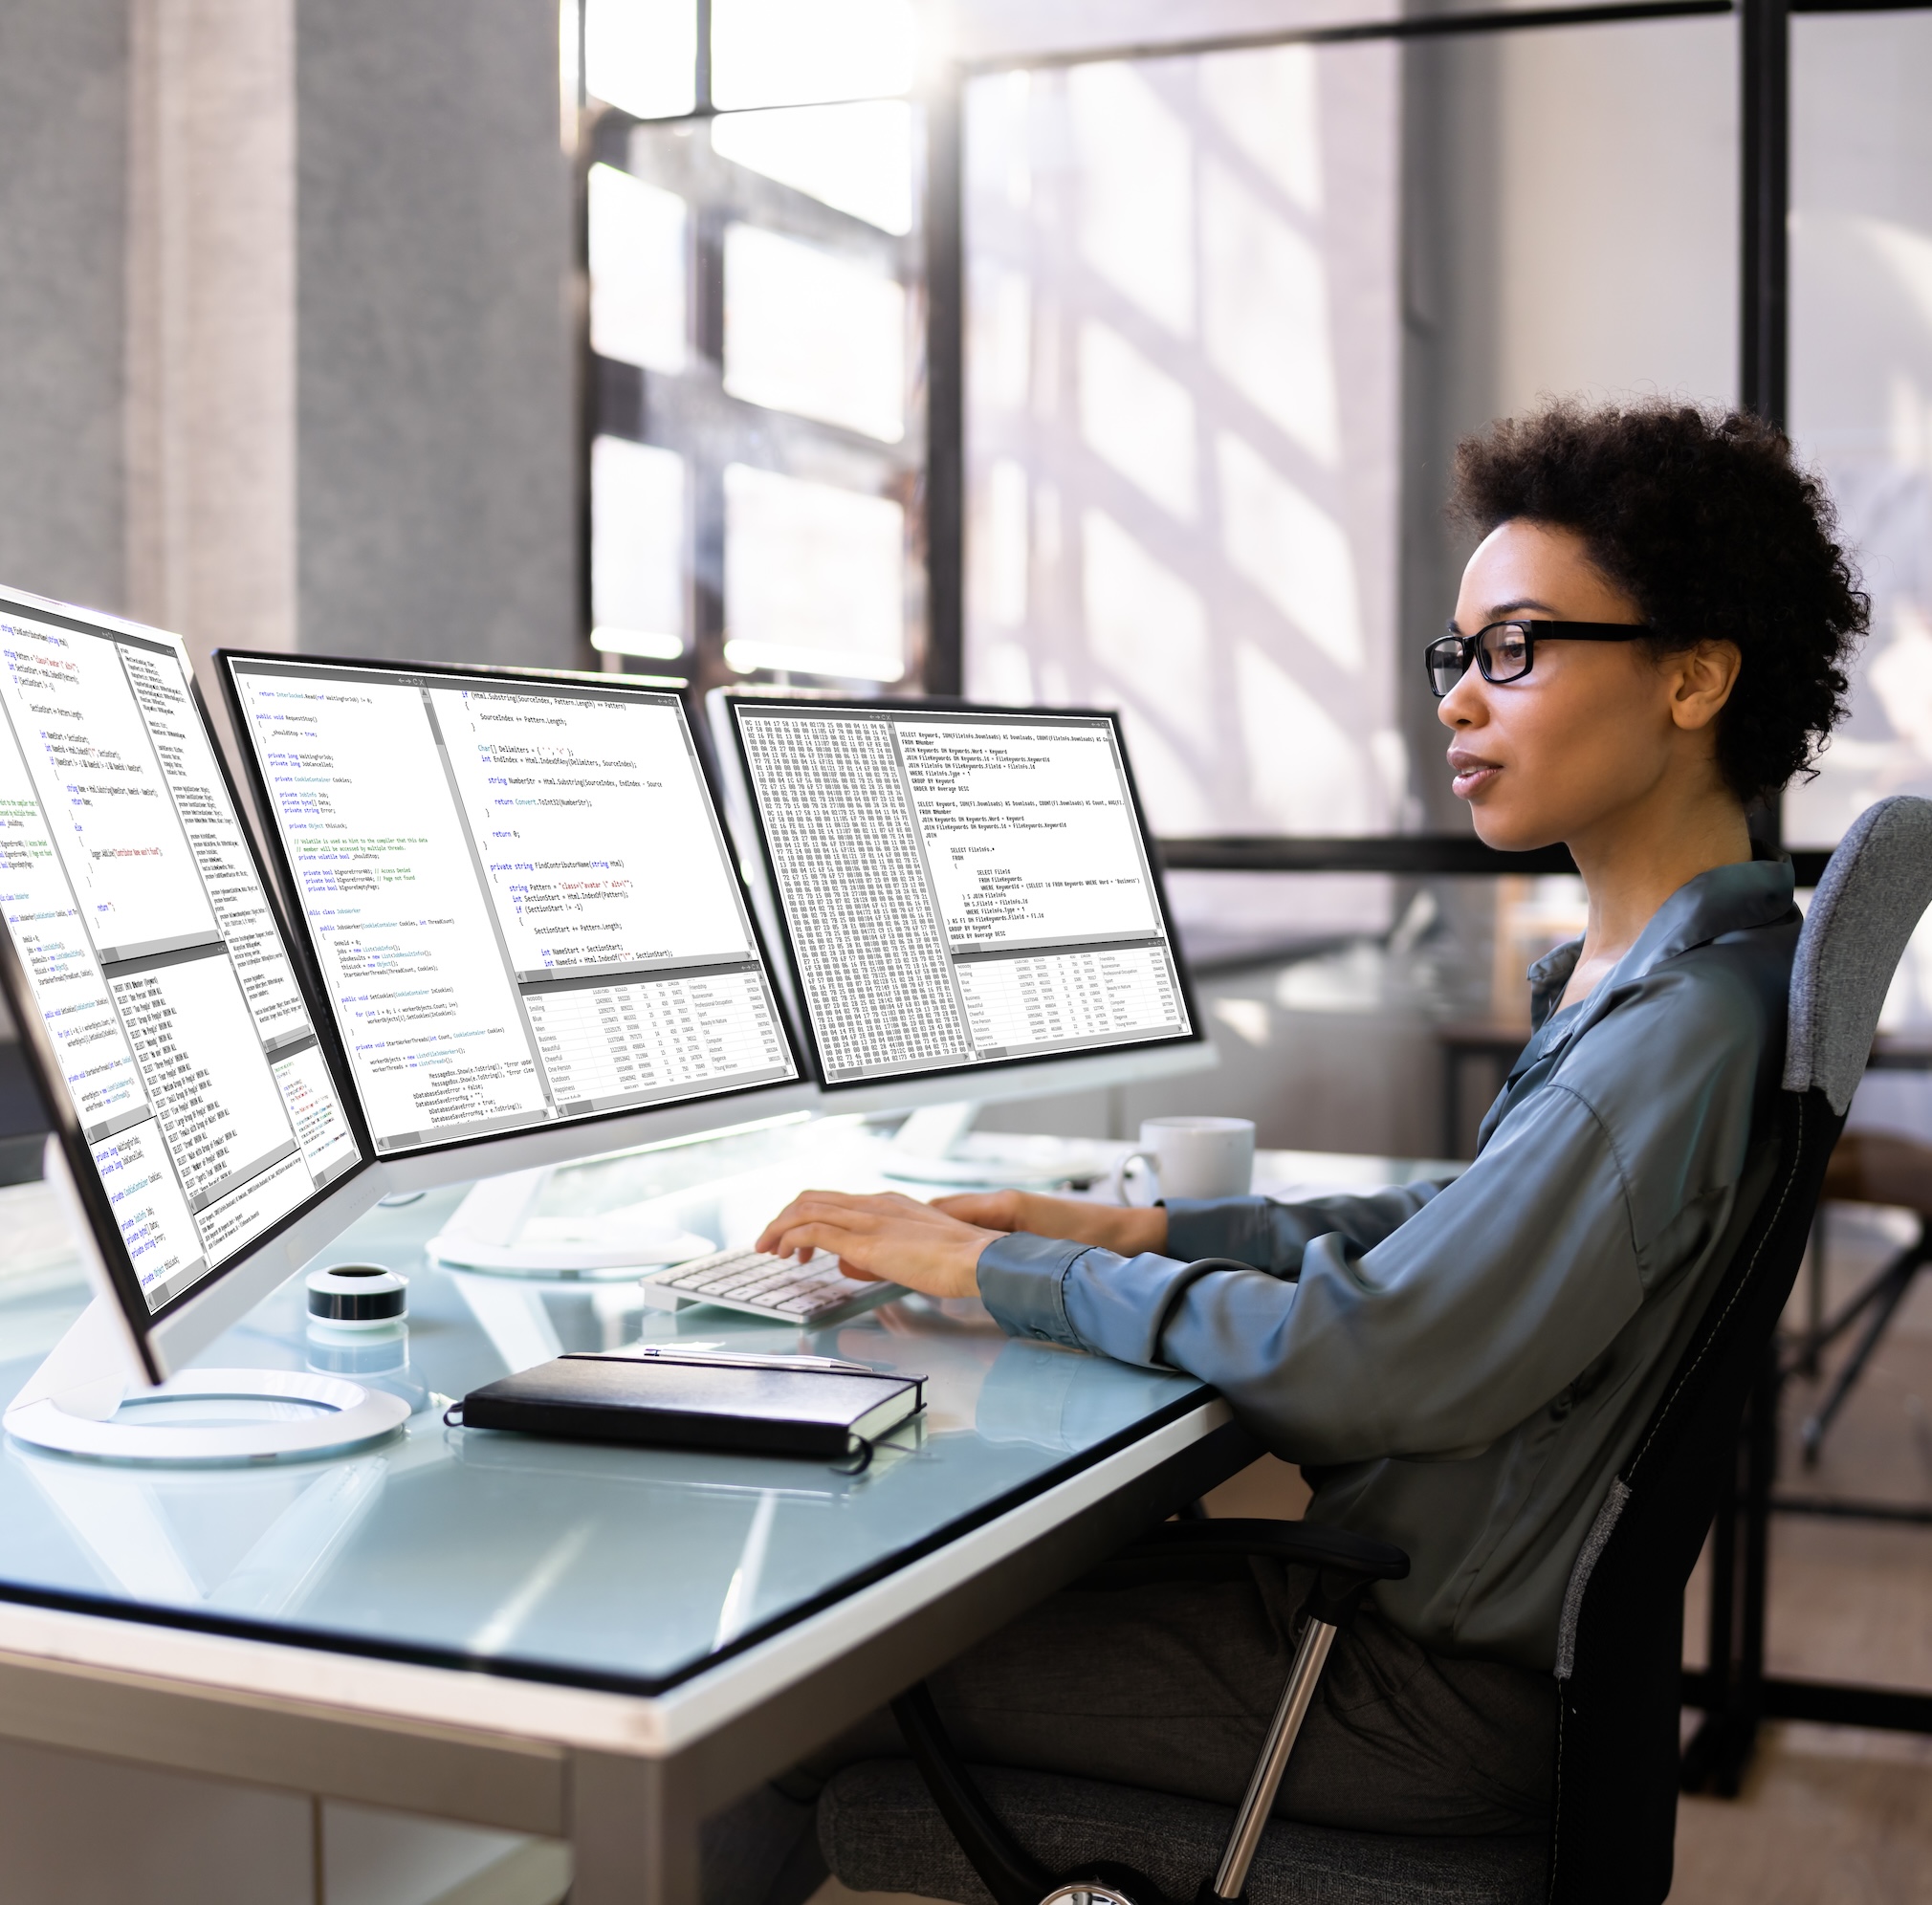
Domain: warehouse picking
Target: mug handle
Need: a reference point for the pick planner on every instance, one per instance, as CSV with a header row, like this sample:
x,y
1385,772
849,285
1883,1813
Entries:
x,y
1118,1186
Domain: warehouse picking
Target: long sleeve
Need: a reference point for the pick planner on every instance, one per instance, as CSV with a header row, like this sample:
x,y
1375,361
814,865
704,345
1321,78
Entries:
x,y
1428,1322
1024,1279
1272,1236
1430,1340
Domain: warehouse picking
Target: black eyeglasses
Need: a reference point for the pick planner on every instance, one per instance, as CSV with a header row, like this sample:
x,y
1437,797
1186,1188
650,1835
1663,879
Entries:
x,y
1506,650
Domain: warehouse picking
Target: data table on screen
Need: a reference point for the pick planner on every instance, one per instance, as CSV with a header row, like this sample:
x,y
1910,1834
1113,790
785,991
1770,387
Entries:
x,y
1074,997
606,1043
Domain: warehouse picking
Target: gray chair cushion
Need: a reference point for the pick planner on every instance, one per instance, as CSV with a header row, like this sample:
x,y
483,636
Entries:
x,y
880,1832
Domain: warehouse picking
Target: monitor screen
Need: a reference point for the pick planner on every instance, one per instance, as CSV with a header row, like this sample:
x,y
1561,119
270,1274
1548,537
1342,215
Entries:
x,y
515,892
144,941
959,886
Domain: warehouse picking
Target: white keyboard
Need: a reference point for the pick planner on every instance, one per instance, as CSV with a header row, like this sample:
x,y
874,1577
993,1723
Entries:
x,y
788,1289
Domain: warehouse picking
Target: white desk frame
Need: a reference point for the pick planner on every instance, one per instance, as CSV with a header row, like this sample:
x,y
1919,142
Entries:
x,y
628,1779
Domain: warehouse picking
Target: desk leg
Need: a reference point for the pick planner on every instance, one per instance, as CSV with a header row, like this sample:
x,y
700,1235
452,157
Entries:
x,y
631,1843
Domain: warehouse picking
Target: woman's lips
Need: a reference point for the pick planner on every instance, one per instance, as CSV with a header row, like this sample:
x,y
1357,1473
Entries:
x,y
1473,774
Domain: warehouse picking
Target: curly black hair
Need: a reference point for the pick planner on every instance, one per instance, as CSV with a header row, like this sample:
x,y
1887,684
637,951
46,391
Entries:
x,y
1703,518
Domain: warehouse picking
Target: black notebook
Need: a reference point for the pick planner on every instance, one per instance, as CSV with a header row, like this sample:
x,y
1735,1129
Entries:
x,y
780,1406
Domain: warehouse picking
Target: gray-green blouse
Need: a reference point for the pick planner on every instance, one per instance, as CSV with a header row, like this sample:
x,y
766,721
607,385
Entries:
x,y
1464,1366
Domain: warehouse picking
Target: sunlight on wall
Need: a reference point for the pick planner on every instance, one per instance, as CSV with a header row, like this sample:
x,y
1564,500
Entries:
x,y
1269,105
1292,550
1135,219
1137,419
1182,380
1303,770
1268,313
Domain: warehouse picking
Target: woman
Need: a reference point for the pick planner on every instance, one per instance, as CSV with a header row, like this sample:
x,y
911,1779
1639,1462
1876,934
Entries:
x,y
1658,614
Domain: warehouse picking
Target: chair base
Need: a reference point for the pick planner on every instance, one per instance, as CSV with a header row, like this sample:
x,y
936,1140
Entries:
x,y
880,1832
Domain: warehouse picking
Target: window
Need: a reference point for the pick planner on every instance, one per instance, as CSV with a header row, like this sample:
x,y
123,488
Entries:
x,y
757,308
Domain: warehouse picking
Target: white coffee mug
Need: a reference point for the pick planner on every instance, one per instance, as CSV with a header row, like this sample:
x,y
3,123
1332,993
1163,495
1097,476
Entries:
x,y
1192,1157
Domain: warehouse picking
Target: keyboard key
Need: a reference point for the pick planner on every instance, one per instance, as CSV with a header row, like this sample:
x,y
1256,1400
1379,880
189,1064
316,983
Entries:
x,y
767,1284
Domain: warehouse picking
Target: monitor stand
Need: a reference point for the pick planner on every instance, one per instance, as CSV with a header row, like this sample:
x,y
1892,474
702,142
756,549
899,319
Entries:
x,y
923,1152
90,1397
496,1229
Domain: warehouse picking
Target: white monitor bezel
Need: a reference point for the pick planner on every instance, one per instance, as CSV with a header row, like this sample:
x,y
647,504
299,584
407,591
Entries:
x,y
459,1160
990,1078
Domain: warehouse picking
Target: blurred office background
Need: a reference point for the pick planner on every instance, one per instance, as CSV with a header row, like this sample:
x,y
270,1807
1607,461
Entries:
x,y
1025,350
1071,351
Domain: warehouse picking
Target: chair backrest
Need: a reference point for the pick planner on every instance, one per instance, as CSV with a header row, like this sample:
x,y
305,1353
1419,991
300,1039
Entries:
x,y
1621,1646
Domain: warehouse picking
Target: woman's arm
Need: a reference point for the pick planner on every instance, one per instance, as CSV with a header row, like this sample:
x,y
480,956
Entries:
x,y
1431,1342
1260,1231
1128,1229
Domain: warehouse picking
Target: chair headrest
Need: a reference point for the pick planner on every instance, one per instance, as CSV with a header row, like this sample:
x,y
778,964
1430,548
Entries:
x,y
1875,887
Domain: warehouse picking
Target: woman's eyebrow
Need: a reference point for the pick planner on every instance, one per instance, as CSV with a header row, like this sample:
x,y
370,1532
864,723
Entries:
x,y
1501,611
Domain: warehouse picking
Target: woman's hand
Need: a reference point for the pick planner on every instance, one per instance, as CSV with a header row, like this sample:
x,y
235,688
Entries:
x,y
884,1238
1125,1230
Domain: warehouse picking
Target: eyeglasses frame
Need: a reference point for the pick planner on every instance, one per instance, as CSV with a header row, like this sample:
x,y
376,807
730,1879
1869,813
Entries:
x,y
1469,648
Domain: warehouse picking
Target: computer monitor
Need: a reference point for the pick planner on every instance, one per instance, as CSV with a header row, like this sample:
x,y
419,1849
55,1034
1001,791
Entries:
x,y
200,1128
968,896
518,905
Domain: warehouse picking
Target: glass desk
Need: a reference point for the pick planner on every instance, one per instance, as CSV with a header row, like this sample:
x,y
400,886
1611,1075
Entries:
x,y
594,1643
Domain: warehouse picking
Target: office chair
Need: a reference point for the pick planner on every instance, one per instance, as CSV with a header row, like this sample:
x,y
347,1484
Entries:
x,y
1869,1168
936,1828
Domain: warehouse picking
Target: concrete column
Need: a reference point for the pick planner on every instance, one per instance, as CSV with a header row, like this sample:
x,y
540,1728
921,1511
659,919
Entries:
x,y
63,86
210,341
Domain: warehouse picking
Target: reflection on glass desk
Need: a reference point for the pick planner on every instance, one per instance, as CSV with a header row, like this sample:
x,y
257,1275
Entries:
x,y
596,1566
602,1566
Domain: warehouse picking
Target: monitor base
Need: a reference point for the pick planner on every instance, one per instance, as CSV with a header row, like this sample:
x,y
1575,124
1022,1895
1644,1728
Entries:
x,y
969,1173
921,1152
926,1150
495,1229
82,1402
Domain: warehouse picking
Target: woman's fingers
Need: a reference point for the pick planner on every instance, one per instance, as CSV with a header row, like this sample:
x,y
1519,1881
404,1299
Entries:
x,y
853,1250
807,1208
858,1213
887,1238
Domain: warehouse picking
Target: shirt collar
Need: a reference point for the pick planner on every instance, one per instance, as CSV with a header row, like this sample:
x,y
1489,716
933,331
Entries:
x,y
1726,899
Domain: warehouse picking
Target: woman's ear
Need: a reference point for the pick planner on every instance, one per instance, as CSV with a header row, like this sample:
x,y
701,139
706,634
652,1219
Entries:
x,y
1700,681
